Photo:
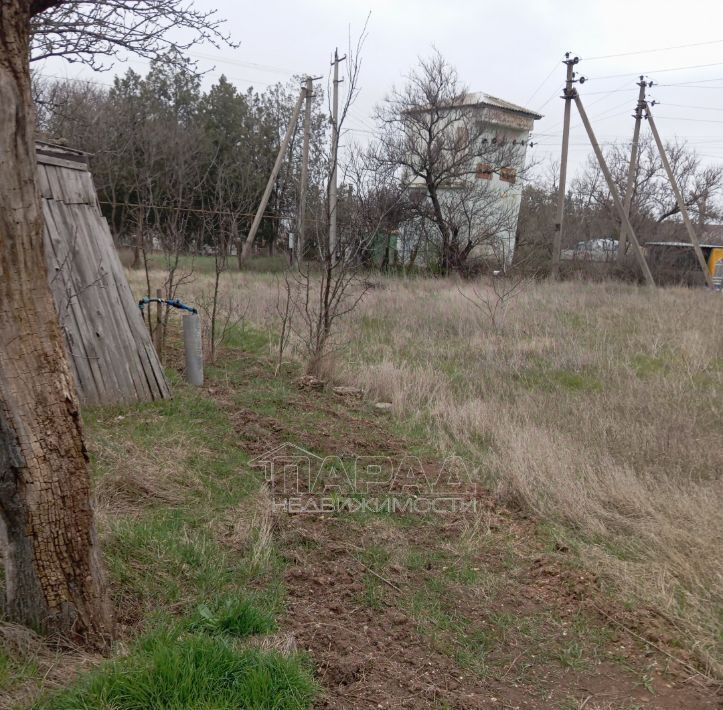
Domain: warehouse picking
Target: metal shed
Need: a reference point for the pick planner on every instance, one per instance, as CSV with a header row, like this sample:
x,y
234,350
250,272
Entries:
x,y
109,348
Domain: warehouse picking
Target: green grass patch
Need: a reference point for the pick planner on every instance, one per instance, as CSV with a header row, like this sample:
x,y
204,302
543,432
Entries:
x,y
375,557
250,340
647,366
15,670
171,670
161,559
571,656
373,593
573,320
551,380
232,616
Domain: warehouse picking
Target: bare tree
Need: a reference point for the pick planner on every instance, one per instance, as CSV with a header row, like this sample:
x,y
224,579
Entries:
x,y
431,133
591,210
221,221
53,576
323,292
493,297
96,33
538,207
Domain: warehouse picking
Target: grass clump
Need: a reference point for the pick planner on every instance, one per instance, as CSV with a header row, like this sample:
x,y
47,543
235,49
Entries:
x,y
233,616
170,670
162,560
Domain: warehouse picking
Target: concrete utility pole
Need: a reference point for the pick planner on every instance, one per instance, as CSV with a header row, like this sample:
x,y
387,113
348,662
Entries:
x,y
158,332
679,198
633,169
567,96
614,191
272,179
299,246
334,155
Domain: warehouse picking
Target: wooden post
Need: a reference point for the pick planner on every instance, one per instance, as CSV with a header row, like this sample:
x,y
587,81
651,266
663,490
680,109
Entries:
x,y
158,334
246,251
614,192
679,198
633,168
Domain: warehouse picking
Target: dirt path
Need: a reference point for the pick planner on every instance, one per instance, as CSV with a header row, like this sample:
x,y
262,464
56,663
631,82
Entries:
x,y
466,610
508,633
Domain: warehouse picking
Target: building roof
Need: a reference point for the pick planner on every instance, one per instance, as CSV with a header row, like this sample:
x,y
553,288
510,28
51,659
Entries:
x,y
680,244
479,98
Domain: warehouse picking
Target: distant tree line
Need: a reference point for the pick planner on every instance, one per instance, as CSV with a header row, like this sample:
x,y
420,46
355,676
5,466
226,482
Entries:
x,y
591,214
175,163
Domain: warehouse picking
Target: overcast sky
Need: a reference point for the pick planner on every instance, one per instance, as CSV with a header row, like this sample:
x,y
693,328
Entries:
x,y
509,48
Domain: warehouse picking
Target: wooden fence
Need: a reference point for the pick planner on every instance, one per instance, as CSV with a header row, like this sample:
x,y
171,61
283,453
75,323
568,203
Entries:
x,y
111,353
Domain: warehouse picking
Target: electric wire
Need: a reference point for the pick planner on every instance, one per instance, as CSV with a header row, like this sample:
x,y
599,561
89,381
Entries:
x,y
651,51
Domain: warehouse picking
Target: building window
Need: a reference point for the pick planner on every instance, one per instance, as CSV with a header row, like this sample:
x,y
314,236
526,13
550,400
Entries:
x,y
508,175
484,171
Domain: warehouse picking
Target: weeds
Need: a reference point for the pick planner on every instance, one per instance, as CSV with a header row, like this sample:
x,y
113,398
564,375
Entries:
x,y
596,407
170,478
232,616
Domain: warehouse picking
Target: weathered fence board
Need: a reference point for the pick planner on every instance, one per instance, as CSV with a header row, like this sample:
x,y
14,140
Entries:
x,y
110,350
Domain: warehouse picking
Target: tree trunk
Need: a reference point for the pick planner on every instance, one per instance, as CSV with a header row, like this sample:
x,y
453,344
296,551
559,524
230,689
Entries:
x,y
53,578
385,258
441,225
137,241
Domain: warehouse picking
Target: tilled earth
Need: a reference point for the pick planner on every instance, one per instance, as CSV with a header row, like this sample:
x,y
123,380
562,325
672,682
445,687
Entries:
x,y
476,609
390,653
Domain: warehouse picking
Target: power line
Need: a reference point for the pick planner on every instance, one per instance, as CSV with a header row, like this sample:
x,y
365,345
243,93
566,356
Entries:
x,y
697,120
593,103
240,63
195,210
692,81
70,78
543,82
657,71
105,83
556,92
700,108
651,51
611,91
686,85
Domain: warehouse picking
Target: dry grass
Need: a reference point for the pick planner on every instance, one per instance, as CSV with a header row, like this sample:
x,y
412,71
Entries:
x,y
29,666
136,477
249,527
597,406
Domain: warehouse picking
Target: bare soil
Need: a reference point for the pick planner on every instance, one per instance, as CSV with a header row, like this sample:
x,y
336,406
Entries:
x,y
471,610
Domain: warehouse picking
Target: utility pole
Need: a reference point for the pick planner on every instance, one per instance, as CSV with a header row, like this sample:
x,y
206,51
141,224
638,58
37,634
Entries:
x,y
679,198
567,96
334,155
613,190
308,95
633,169
272,179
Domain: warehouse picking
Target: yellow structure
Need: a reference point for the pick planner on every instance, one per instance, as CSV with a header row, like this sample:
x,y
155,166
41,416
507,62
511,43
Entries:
x,y
716,255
